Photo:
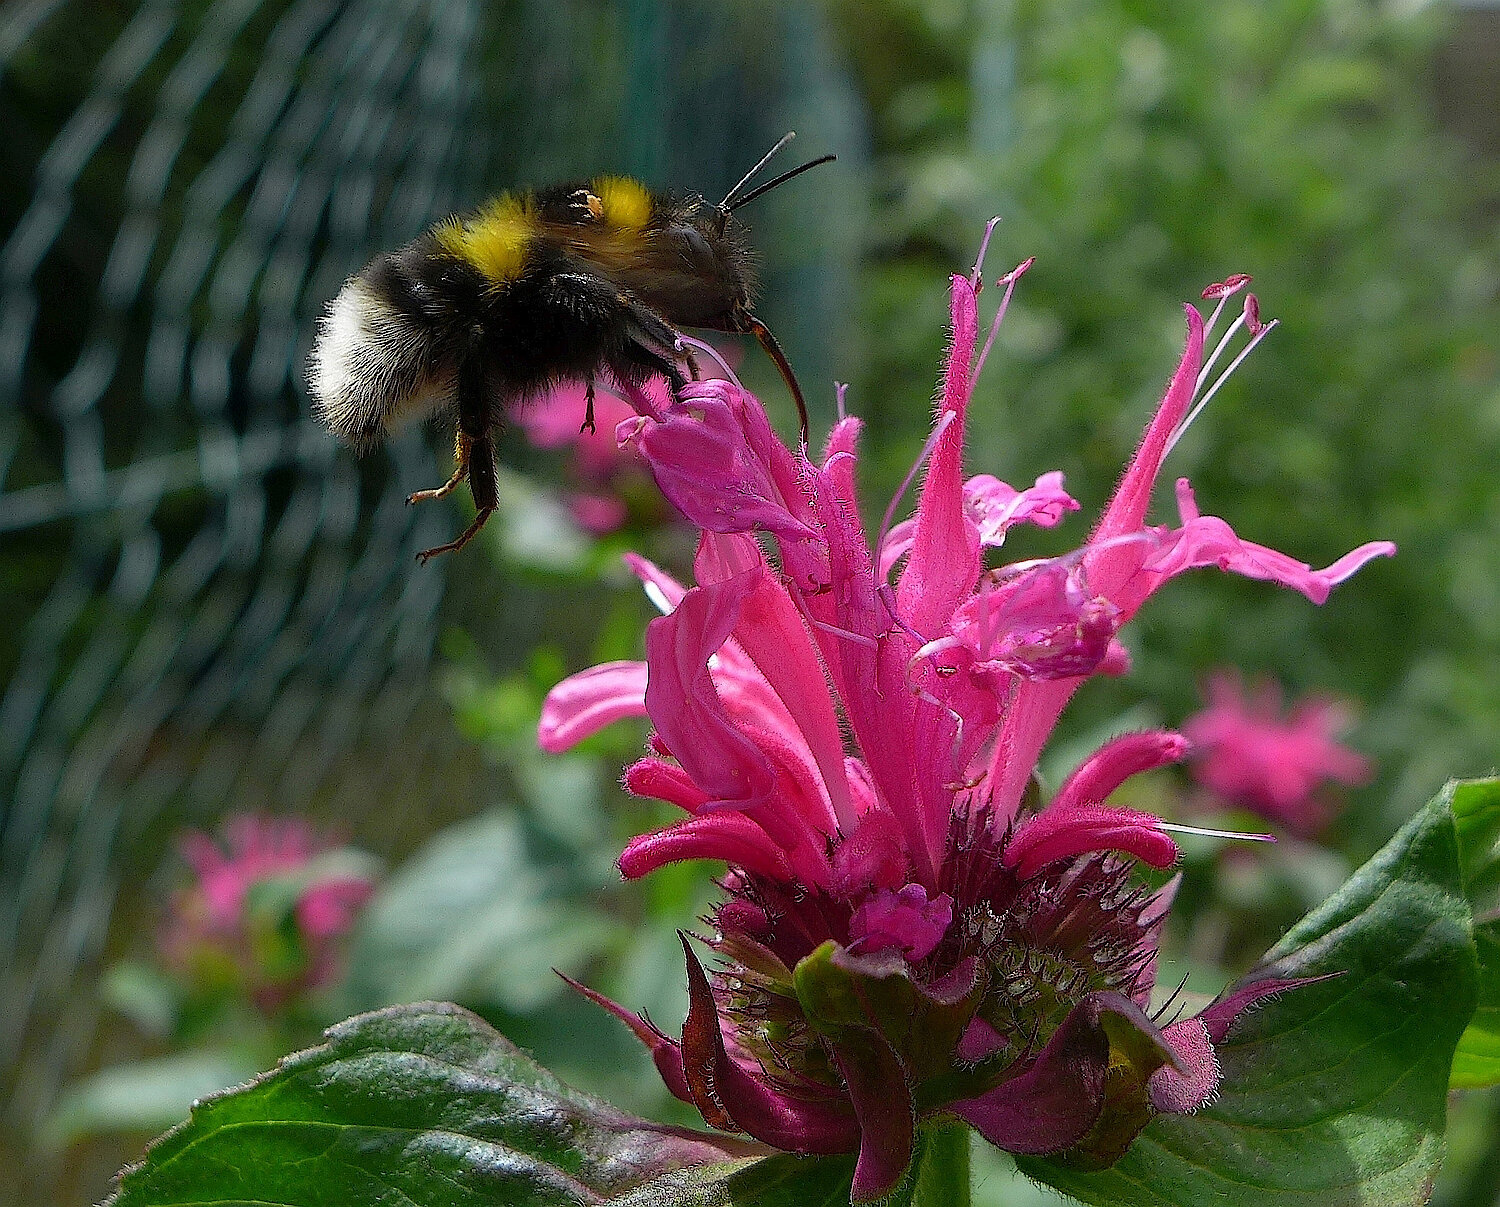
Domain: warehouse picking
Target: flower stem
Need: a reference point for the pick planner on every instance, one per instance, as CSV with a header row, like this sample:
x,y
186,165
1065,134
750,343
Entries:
x,y
941,1174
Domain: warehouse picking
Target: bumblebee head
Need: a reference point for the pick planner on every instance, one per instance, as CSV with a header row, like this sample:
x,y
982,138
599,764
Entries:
x,y
707,246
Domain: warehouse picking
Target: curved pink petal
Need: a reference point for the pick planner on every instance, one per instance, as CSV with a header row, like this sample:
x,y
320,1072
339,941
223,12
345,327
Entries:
x,y
729,836
1210,541
996,506
709,465
585,703
1126,510
1115,762
1041,623
684,705
1055,834
664,781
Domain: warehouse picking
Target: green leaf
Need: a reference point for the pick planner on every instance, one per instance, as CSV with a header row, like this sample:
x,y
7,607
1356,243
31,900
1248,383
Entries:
x,y
423,1105
1333,1094
1476,815
472,917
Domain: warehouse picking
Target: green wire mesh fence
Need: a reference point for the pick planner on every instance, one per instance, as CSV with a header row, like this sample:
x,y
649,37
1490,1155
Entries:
x,y
211,606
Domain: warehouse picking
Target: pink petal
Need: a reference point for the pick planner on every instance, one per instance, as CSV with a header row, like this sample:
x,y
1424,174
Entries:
x,y
1126,511
1042,623
871,856
684,705
944,558
597,514
706,464
1207,541
664,781
996,506
585,703
906,921
328,909
1055,834
729,836
1114,763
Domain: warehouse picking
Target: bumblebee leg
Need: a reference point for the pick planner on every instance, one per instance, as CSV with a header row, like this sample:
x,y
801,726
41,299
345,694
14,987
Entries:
x,y
484,486
461,455
653,342
460,541
588,413
692,364
644,361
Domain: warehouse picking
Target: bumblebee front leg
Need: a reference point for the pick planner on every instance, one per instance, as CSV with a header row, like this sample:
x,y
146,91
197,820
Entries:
x,y
652,344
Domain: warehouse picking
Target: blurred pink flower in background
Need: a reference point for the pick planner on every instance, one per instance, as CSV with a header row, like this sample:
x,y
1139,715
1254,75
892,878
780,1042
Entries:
x,y
598,462
264,910
1248,750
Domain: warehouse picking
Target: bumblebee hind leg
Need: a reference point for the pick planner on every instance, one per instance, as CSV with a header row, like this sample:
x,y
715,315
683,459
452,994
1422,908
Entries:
x,y
477,463
475,452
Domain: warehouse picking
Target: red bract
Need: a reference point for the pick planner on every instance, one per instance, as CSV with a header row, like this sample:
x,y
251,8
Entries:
x,y
909,931
1250,752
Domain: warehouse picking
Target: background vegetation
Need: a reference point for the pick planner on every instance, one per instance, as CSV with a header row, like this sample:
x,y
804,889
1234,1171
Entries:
x,y
1138,150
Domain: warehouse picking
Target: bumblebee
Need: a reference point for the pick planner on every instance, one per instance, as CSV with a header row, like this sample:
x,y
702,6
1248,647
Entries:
x,y
576,282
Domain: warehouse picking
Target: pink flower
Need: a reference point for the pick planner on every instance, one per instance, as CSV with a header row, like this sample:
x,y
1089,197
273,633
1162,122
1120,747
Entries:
x,y
226,931
909,930
601,462
1251,753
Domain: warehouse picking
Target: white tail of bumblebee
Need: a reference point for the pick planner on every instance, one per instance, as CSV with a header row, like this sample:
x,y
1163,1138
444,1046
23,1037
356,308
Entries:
x,y
371,367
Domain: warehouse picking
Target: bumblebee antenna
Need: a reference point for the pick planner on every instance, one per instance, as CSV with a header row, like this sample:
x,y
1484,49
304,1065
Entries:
x,y
764,159
782,179
773,350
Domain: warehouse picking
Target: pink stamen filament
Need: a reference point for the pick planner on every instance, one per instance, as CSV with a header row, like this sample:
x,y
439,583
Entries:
x,y
840,388
984,246
1181,429
858,638
1208,365
1009,281
713,354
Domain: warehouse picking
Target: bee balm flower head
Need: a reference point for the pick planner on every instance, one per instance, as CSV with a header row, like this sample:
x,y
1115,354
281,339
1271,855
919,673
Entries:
x,y
853,726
